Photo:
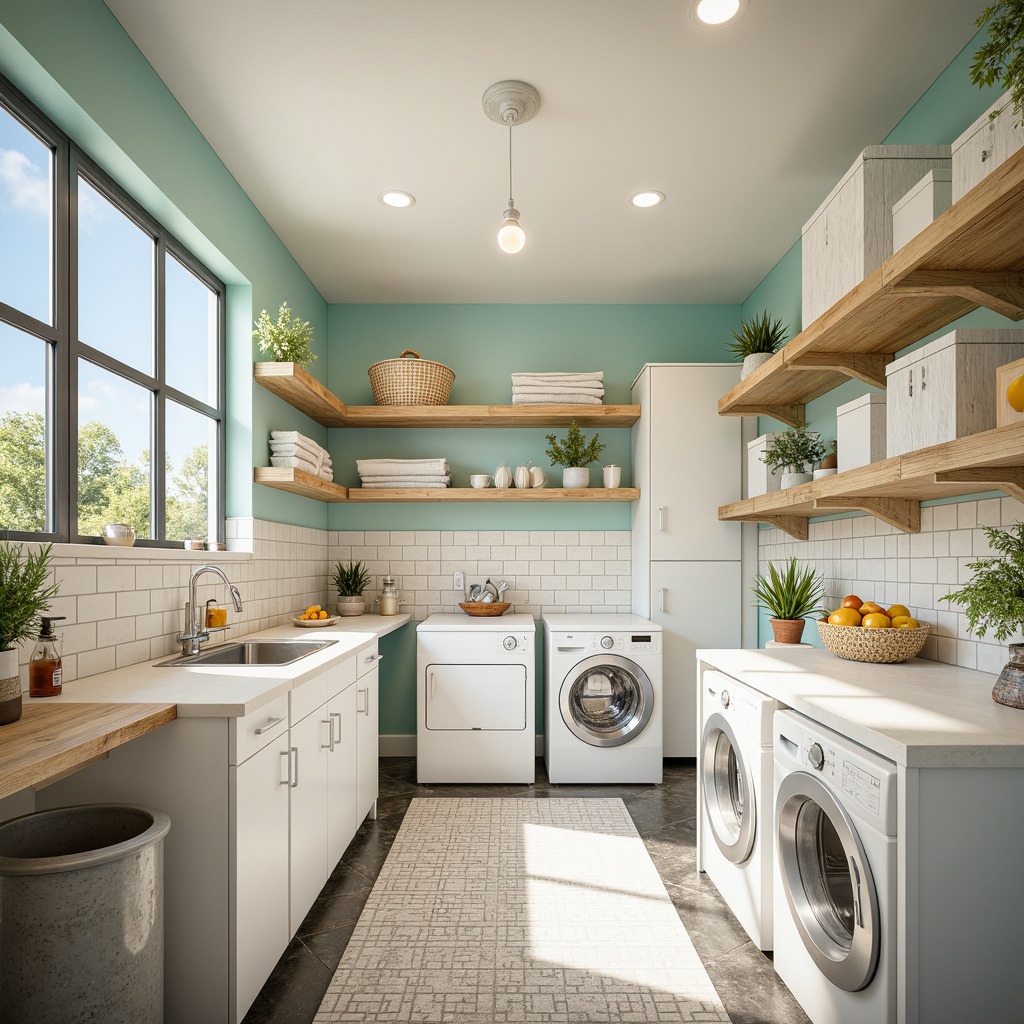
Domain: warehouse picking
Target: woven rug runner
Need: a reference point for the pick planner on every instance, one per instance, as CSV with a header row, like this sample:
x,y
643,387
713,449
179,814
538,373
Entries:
x,y
519,910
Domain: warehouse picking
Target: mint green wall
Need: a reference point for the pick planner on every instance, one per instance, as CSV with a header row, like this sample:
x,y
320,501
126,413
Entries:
x,y
75,62
484,345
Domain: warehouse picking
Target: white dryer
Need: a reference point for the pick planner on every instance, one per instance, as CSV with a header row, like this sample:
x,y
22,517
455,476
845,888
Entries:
x,y
734,843
602,699
834,874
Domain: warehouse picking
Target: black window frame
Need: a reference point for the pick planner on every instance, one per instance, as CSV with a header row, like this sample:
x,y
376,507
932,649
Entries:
x,y
65,348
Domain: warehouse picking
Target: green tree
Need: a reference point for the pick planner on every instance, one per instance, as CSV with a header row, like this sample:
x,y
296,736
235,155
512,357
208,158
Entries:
x,y
23,471
188,497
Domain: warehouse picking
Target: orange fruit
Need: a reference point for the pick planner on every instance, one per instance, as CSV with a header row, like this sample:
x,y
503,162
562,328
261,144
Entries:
x,y
851,601
845,617
869,607
897,610
907,623
323,614
1015,393
876,620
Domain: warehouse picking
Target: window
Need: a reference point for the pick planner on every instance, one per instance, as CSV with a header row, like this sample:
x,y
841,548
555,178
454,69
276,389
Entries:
x,y
111,354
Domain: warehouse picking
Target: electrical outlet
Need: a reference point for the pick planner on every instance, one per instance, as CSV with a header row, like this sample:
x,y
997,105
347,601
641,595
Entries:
x,y
458,580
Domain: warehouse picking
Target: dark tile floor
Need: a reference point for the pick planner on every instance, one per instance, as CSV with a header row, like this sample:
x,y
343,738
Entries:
x,y
665,817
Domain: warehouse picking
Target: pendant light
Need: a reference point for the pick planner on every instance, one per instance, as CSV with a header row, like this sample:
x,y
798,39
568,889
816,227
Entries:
x,y
511,103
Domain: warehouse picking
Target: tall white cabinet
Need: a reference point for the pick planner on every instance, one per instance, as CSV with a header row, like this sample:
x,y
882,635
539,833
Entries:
x,y
687,575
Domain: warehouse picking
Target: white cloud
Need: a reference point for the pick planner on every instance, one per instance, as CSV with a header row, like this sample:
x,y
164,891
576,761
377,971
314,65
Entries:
x,y
26,186
22,398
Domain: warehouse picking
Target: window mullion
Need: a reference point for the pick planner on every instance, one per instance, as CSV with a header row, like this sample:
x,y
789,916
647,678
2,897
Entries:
x,y
159,516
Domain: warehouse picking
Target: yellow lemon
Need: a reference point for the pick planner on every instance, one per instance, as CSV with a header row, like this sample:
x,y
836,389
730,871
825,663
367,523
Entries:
x,y
845,617
870,606
897,610
898,620
908,623
323,614
1015,393
876,620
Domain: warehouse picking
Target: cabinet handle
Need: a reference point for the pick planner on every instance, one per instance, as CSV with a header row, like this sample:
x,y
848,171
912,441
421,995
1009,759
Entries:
x,y
365,709
661,598
337,715
329,745
661,519
375,657
431,687
270,725
287,773
910,383
295,780
924,379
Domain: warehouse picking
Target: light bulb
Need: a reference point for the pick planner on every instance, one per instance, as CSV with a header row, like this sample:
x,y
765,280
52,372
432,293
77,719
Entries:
x,y
511,237
716,12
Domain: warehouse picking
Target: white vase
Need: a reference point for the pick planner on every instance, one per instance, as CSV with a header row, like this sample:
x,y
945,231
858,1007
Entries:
x,y
10,687
575,476
502,477
352,605
536,476
521,477
752,362
792,479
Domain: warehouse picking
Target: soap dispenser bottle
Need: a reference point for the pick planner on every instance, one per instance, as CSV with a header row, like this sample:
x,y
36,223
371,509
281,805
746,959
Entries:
x,y
44,670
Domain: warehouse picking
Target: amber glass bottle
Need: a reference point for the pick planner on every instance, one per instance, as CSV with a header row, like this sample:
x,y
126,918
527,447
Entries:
x,y
45,668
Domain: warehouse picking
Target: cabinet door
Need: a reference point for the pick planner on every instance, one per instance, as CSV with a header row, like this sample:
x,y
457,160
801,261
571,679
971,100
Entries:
x,y
485,697
342,816
697,605
367,767
259,895
899,410
934,405
696,463
308,753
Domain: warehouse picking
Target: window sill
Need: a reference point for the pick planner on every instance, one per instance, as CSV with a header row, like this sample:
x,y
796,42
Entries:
x,y
107,552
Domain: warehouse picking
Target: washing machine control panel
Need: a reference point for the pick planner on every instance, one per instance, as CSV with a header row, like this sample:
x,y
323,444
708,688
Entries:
x,y
625,643
509,642
862,786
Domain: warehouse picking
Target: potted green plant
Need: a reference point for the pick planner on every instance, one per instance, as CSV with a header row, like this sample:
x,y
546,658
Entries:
x,y
995,599
757,341
574,453
795,452
790,595
1001,57
287,339
350,581
24,593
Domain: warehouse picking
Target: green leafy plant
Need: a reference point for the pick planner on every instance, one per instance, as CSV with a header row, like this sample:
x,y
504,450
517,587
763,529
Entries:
x,y
24,593
288,339
574,450
1001,57
350,580
758,335
792,593
795,448
994,599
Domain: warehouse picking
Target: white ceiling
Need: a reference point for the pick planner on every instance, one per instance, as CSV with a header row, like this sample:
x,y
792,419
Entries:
x,y
316,106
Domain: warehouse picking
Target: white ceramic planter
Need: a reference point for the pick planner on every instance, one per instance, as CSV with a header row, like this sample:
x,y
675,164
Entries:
x,y
752,362
575,476
352,605
820,474
10,687
792,479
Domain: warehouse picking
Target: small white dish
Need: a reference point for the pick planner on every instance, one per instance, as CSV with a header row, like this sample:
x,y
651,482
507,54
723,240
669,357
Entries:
x,y
118,535
480,480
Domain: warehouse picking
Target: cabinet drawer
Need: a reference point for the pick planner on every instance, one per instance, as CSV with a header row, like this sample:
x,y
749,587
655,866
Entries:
x,y
308,696
367,659
256,730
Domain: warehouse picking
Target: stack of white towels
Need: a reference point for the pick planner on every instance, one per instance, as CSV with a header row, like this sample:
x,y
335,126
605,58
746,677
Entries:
x,y
557,388
404,472
290,448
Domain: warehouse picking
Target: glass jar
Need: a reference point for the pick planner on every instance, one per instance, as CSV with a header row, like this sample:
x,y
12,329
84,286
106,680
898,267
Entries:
x,y
389,597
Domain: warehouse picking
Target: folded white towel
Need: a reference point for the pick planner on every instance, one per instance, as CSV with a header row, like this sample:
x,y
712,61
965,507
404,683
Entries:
x,y
411,482
318,458
293,436
555,378
293,448
326,473
295,462
549,389
556,398
403,467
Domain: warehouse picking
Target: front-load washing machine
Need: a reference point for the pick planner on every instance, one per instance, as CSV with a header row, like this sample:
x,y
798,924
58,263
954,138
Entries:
x,y
734,842
834,874
475,699
602,699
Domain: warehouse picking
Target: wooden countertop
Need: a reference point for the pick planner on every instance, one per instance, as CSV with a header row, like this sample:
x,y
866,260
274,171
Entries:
x,y
52,740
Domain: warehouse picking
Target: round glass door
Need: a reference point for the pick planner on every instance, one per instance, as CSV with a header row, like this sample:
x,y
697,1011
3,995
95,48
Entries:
x,y
827,881
606,700
728,794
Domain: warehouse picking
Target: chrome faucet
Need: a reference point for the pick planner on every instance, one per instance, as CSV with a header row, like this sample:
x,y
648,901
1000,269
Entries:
x,y
196,634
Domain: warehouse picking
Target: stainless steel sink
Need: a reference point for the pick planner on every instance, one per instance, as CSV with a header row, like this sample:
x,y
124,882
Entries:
x,y
252,652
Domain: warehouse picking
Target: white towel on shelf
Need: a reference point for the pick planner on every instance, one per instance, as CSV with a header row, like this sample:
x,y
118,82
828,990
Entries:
x,y
550,389
389,478
295,462
557,378
556,398
326,473
291,448
412,481
402,467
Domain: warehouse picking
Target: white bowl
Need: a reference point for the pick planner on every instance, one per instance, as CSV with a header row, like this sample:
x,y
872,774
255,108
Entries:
x,y
480,480
118,535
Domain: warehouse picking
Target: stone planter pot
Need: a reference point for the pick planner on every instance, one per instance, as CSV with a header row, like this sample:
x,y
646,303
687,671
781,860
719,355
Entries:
x,y
793,479
10,687
752,362
1009,688
575,476
352,605
788,631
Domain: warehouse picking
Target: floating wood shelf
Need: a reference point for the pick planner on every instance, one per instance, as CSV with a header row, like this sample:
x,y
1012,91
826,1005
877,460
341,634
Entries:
x,y
308,395
295,481
969,256
892,490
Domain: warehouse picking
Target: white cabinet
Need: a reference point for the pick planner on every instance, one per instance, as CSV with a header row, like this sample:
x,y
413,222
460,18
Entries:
x,y
687,461
342,798
367,765
985,145
457,701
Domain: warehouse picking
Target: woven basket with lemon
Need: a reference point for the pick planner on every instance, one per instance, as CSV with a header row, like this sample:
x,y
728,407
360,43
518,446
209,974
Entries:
x,y
865,631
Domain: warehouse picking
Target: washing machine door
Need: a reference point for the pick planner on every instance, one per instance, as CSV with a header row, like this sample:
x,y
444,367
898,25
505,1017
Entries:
x,y
728,791
827,881
606,700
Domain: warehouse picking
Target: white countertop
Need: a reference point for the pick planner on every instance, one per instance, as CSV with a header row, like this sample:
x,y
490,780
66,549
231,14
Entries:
x,y
922,714
219,691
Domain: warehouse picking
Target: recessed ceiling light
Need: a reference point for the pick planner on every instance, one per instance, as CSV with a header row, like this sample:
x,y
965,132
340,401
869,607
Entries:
x,y
395,198
649,197
716,12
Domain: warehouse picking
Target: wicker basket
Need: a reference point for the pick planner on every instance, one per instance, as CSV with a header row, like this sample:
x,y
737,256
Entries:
x,y
414,381
879,646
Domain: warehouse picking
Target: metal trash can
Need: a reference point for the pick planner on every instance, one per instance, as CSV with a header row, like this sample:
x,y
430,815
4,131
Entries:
x,y
82,915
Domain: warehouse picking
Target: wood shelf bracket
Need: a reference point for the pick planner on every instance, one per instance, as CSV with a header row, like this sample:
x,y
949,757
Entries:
x,y
795,526
1004,478
864,366
1000,291
903,513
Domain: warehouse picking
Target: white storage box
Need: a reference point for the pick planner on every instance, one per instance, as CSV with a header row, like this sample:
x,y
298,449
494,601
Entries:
x,y
759,476
946,389
850,234
860,431
932,195
984,146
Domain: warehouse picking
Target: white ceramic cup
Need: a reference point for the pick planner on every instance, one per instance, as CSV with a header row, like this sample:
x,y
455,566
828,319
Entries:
x,y
480,480
612,476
